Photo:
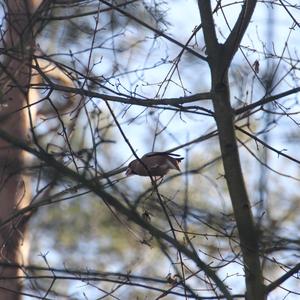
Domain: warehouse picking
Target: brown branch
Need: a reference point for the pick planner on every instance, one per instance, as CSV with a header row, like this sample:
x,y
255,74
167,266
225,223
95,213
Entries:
x,y
233,41
289,13
209,31
126,99
266,145
156,31
266,100
272,286
117,205
84,14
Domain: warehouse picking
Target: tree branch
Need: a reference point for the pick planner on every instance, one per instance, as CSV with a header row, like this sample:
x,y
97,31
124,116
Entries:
x,y
126,99
267,145
272,286
233,41
266,100
209,31
118,206
156,31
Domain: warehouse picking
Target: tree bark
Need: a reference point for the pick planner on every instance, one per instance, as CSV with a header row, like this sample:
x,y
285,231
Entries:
x,y
237,191
14,185
219,57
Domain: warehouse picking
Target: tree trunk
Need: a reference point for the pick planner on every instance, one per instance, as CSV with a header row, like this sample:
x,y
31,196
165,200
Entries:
x,y
14,186
237,190
219,57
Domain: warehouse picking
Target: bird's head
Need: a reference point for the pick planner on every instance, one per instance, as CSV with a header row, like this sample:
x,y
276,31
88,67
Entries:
x,y
128,172
130,169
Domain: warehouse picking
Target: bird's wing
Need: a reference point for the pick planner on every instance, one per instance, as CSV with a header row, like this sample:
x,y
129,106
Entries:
x,y
154,166
174,154
160,153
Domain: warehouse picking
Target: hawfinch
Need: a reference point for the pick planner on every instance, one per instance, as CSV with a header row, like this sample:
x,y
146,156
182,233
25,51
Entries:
x,y
156,164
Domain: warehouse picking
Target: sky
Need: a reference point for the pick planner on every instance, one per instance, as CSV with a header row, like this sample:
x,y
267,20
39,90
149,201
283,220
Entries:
x,y
184,17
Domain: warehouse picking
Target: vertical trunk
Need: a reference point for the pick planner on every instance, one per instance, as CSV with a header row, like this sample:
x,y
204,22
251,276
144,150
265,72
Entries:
x,y
14,186
237,189
219,57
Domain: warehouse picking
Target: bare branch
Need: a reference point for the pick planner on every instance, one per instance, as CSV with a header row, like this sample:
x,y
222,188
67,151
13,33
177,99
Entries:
x,y
209,32
159,33
131,100
233,41
272,286
266,100
120,208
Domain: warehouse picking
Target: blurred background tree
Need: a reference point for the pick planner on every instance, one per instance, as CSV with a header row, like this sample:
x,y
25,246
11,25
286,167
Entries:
x,y
112,80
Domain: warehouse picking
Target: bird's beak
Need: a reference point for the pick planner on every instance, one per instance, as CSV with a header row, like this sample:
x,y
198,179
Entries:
x,y
177,166
128,172
174,165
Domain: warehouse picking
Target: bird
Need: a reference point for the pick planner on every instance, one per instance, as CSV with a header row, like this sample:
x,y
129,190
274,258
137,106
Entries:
x,y
156,164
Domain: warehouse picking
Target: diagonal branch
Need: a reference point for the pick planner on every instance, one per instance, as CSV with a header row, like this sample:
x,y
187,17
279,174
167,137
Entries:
x,y
156,31
266,100
118,206
267,145
208,25
272,286
234,39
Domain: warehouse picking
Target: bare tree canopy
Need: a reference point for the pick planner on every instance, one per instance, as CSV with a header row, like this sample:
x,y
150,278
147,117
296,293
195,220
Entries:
x,y
198,101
